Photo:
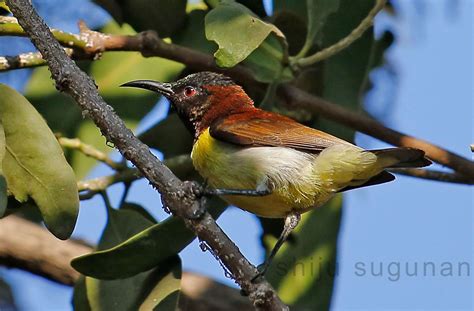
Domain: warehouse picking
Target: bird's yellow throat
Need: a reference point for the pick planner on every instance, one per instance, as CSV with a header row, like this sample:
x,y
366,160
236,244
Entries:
x,y
298,180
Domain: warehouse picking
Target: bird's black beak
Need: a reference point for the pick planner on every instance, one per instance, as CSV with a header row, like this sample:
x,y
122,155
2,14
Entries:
x,y
162,88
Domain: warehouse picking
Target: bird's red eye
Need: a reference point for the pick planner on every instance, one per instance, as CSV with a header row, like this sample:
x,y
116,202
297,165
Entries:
x,y
189,91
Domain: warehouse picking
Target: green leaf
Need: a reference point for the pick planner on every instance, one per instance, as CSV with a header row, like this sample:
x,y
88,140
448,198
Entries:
x,y
303,270
128,294
238,32
318,12
4,8
163,16
3,182
266,62
356,62
170,136
165,295
298,8
34,164
145,249
79,297
193,35
255,5
3,195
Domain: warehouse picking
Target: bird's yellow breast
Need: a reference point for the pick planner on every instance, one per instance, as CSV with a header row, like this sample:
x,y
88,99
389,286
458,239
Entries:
x,y
298,180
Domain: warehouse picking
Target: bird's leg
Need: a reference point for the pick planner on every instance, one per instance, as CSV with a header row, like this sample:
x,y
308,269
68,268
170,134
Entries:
x,y
291,221
246,192
262,190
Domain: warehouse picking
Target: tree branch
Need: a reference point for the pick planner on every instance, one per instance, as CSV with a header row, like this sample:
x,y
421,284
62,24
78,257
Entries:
x,y
342,44
28,246
180,197
433,175
181,165
90,151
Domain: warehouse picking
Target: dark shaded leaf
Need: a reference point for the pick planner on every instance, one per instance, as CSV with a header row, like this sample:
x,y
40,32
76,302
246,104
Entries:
x,y
145,249
255,5
3,182
147,287
163,16
296,7
79,297
170,136
193,35
34,165
303,270
266,62
355,61
318,12
4,9
3,195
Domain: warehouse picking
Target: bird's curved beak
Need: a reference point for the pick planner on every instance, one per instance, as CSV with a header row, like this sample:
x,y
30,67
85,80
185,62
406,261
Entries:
x,y
155,86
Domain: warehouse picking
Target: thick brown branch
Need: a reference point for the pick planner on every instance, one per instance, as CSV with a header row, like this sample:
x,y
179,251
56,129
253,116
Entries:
x,y
28,246
179,197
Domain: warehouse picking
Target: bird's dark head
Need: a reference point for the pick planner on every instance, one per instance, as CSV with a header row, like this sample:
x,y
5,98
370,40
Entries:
x,y
200,98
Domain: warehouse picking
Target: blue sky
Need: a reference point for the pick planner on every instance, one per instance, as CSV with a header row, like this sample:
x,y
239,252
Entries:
x,y
400,225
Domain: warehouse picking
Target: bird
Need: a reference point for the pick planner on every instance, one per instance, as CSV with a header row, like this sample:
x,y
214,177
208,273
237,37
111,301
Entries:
x,y
270,164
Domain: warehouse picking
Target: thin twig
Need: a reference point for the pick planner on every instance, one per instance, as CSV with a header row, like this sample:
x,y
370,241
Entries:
x,y
24,60
433,175
180,197
11,28
365,24
90,151
89,188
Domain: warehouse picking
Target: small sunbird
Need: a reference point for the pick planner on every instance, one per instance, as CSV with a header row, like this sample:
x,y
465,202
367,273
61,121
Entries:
x,y
283,168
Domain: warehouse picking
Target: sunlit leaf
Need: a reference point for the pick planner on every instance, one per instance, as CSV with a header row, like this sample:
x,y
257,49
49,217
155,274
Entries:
x,y
165,294
34,165
238,32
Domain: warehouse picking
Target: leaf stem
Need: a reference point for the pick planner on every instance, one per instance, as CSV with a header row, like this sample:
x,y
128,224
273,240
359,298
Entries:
x,y
8,27
90,151
341,44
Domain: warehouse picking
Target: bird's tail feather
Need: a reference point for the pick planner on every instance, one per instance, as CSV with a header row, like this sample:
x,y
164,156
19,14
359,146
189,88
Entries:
x,y
401,157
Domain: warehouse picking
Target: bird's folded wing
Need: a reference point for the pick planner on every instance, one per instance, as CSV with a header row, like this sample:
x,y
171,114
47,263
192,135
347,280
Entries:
x,y
261,128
